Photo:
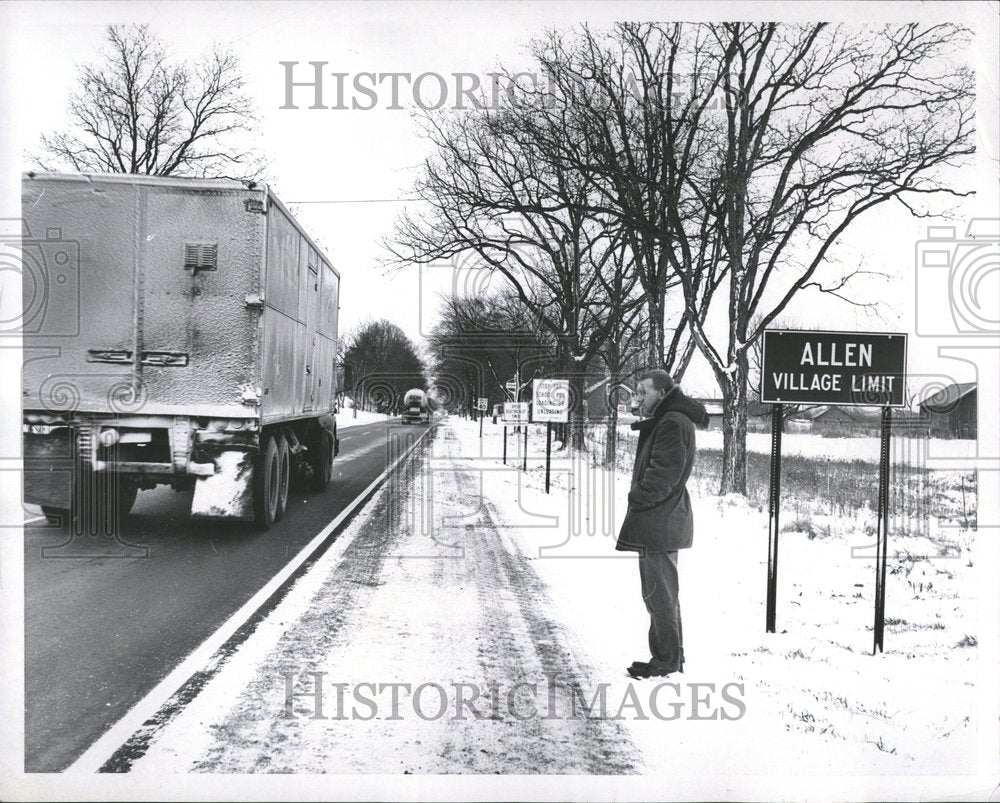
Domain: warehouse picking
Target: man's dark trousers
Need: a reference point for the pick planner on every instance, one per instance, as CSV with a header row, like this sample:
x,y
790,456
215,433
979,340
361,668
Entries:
x,y
660,591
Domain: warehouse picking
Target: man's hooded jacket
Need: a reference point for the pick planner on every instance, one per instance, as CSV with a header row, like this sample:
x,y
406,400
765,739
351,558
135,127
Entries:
x,y
659,517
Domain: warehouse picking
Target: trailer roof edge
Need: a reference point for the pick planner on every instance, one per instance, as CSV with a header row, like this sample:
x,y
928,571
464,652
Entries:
x,y
184,182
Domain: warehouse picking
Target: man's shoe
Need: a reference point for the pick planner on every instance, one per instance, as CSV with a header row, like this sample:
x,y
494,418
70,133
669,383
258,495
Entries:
x,y
638,663
646,671
640,670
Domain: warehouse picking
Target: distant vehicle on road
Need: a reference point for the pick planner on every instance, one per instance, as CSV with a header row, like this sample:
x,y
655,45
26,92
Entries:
x,y
184,332
416,408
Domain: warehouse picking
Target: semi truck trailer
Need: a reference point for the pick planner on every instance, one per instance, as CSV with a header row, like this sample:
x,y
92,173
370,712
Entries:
x,y
177,332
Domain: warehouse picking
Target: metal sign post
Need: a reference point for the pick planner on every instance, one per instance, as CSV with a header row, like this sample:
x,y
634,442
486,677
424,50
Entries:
x,y
841,368
482,405
515,413
548,453
524,456
882,547
774,506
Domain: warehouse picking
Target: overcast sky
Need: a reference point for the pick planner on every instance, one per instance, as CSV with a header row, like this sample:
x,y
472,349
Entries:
x,y
367,160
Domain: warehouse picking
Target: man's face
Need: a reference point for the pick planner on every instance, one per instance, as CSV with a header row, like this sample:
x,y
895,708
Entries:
x,y
647,396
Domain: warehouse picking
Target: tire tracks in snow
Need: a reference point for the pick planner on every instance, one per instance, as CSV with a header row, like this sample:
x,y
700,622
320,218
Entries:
x,y
516,603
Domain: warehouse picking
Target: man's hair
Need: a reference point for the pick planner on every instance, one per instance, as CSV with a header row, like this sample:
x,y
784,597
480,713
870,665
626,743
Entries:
x,y
661,379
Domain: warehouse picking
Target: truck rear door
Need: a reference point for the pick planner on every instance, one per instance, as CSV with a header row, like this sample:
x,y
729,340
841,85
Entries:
x,y
150,313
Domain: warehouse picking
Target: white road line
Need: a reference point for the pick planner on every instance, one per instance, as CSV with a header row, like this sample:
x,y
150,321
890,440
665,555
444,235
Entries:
x,y
204,656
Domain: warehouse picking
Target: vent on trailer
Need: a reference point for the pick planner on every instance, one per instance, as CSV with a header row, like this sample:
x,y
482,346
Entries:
x,y
201,256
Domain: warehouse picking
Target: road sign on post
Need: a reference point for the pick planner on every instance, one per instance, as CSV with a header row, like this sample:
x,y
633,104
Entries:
x,y
511,388
515,413
550,400
845,368
482,405
550,403
838,368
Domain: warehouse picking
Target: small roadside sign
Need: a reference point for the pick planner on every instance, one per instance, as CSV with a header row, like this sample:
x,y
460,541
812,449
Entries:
x,y
511,388
483,403
515,413
551,400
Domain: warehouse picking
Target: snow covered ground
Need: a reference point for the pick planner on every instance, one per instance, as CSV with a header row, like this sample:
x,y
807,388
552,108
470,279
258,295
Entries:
x,y
464,576
809,445
815,681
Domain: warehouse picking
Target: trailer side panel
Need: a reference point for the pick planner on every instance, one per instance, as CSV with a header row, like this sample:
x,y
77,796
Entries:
x,y
300,324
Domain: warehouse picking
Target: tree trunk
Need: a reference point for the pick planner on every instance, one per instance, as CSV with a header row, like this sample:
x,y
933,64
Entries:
x,y
734,428
655,347
611,437
578,420
612,394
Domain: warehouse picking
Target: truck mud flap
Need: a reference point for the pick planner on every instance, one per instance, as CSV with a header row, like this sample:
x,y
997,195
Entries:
x,y
49,469
227,494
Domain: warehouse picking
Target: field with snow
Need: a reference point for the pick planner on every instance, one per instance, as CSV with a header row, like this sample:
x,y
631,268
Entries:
x,y
816,680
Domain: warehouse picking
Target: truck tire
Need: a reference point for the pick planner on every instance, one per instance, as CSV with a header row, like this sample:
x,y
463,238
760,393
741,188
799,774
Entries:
x,y
266,475
322,462
284,476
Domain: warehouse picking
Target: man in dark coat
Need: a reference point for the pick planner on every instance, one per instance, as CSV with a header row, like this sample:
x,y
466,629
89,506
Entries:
x,y
659,521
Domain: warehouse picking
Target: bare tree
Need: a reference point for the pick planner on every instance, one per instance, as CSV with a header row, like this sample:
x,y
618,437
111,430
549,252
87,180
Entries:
x,y
628,337
385,364
495,191
480,341
823,124
638,101
136,112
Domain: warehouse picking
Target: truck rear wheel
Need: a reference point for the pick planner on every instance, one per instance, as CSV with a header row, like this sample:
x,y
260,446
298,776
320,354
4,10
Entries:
x,y
284,475
266,476
322,462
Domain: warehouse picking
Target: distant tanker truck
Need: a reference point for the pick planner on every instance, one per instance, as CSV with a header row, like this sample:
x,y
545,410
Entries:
x,y
416,408
179,332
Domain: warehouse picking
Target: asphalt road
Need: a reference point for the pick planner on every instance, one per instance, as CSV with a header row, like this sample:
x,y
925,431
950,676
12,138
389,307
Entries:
x,y
106,619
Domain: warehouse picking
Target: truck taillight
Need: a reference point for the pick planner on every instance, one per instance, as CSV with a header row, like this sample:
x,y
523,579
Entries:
x,y
230,425
109,436
44,418
39,429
